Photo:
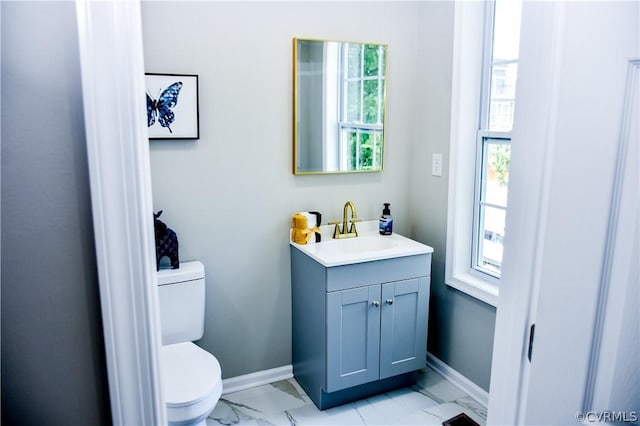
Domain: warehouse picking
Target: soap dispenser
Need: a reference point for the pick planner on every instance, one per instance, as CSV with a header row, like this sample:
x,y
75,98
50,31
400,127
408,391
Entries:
x,y
385,225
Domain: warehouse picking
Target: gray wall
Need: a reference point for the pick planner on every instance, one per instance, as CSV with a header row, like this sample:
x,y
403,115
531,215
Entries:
x,y
460,327
230,195
236,182
53,366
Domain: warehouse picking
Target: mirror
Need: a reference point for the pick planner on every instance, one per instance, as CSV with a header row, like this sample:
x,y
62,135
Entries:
x,y
338,106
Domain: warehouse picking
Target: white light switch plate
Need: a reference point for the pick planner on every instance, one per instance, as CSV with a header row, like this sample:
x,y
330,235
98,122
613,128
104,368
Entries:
x,y
436,165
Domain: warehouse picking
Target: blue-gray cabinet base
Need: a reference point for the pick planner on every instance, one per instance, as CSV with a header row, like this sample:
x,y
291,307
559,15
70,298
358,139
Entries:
x,y
358,329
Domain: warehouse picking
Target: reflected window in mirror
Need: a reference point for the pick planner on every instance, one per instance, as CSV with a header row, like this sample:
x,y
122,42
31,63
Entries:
x,y
339,106
362,114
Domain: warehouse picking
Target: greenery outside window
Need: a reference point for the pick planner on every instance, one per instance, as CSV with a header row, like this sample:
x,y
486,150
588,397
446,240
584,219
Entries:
x,y
361,111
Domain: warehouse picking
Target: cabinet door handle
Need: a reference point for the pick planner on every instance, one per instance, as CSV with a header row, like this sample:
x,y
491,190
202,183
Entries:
x,y
375,303
389,301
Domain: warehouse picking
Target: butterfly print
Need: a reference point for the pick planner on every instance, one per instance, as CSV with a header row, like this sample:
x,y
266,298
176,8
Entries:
x,y
161,108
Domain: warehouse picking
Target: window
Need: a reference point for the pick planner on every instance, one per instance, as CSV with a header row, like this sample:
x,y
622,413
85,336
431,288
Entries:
x,y
500,68
486,40
361,110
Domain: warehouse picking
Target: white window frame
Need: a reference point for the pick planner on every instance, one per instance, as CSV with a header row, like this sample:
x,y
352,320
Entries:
x,y
467,86
485,135
484,138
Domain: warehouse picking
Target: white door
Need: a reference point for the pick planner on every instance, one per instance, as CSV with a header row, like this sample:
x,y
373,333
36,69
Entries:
x,y
572,258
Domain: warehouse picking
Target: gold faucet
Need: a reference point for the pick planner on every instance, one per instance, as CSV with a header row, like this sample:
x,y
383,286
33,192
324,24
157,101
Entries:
x,y
352,232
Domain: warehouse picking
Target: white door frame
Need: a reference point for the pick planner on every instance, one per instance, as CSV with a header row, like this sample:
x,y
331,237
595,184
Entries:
x,y
516,386
529,186
111,56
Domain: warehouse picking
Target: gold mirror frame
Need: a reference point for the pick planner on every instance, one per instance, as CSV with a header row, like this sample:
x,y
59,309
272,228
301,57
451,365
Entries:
x,y
339,103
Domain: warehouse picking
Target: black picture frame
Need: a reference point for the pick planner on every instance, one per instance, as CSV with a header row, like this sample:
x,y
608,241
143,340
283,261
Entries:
x,y
172,106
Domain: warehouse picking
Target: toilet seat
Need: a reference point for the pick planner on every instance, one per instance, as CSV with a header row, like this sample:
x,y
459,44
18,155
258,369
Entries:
x,y
191,381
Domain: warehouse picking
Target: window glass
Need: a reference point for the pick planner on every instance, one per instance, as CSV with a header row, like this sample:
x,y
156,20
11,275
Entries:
x,y
353,60
506,29
371,63
492,205
504,64
354,99
496,178
371,105
492,245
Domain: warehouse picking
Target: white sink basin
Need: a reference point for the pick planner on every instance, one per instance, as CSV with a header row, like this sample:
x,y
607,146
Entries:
x,y
368,246
361,244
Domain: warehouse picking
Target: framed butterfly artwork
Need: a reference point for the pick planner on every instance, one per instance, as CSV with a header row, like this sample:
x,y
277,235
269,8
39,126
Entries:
x,y
172,106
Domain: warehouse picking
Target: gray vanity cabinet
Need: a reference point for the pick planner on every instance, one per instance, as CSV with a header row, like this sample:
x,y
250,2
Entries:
x,y
376,332
403,326
353,337
358,329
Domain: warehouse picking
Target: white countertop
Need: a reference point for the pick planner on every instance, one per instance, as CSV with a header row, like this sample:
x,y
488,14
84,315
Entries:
x,y
368,246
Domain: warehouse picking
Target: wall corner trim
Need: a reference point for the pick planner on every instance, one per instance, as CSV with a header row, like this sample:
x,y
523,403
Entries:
x,y
112,67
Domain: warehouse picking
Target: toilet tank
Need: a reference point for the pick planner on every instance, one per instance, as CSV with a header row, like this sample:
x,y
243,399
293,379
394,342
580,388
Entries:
x,y
181,293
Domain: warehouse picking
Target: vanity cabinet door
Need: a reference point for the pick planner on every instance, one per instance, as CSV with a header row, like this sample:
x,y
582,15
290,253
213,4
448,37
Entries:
x,y
403,326
353,337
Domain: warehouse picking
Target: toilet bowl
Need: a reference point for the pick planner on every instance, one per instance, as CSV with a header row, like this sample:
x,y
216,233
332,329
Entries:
x,y
191,383
191,376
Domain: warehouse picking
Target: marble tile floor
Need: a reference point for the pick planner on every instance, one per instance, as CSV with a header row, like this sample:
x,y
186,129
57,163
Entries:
x,y
431,401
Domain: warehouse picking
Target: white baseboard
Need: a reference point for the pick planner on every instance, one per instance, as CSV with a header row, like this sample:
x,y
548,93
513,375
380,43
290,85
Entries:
x,y
258,378
466,385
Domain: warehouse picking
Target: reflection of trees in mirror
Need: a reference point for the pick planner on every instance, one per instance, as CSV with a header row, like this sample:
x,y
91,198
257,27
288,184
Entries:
x,y
364,83
363,96
365,150
353,60
361,152
371,60
371,102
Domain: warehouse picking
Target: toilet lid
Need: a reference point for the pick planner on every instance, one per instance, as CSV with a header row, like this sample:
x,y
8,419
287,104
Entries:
x,y
189,373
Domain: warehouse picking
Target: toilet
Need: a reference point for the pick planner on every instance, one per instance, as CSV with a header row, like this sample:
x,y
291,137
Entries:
x,y
191,376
